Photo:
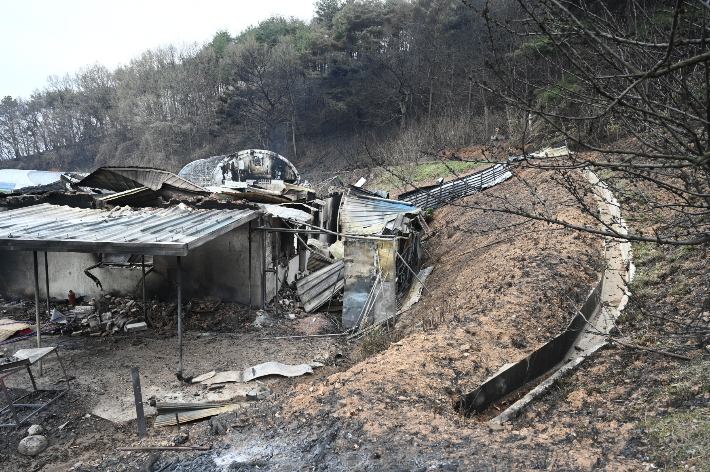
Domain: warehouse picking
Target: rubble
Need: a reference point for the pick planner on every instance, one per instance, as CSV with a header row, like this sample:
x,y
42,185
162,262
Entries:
x,y
142,326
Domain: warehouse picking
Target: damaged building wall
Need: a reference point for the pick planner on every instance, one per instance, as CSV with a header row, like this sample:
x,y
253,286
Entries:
x,y
364,261
66,272
219,268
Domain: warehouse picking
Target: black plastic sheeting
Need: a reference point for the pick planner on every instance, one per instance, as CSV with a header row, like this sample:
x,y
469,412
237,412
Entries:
x,y
540,362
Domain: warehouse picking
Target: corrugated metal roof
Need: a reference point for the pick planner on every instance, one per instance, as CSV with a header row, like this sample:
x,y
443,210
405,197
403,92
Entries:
x,y
171,232
120,179
317,288
361,214
436,196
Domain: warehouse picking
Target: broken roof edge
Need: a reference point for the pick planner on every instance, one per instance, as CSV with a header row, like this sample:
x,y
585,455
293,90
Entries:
x,y
98,179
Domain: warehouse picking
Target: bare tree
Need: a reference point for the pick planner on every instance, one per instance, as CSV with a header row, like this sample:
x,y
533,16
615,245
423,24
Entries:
x,y
623,84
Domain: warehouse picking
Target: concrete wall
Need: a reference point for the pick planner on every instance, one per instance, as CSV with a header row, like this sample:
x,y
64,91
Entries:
x,y
219,268
66,272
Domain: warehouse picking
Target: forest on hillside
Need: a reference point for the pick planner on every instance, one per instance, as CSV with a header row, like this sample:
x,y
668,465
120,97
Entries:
x,y
389,79
306,90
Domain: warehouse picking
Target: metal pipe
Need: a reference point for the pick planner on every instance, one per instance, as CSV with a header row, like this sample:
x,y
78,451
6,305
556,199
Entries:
x,y
263,267
413,273
38,326
179,313
145,313
250,268
46,280
276,270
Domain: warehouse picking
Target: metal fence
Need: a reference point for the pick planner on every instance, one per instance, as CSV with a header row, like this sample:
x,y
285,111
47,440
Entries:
x,y
436,196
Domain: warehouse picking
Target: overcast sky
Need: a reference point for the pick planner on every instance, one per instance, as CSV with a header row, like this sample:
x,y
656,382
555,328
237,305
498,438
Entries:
x,y
39,38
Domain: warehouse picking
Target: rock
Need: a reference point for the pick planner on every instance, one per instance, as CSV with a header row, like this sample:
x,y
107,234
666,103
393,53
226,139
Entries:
x,y
258,393
34,430
217,426
32,445
181,438
136,327
120,322
106,316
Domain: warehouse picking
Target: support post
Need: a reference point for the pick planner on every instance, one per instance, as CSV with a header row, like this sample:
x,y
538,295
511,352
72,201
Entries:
x,y
276,271
137,395
263,265
179,314
145,311
46,281
38,326
250,267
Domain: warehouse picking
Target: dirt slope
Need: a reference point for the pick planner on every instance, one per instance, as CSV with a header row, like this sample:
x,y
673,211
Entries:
x,y
501,287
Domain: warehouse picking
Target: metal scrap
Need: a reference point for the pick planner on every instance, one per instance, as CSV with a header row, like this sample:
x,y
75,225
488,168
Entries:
x,y
172,417
275,368
317,288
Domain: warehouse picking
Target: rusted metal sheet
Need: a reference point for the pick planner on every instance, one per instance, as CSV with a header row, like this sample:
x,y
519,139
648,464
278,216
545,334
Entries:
x,y
185,416
316,289
436,196
170,231
360,214
250,166
317,261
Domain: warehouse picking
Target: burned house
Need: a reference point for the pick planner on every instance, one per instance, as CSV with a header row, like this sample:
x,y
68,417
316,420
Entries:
x,y
237,227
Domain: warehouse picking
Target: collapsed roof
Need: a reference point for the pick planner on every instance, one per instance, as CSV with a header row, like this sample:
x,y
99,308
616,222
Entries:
x,y
140,185
250,166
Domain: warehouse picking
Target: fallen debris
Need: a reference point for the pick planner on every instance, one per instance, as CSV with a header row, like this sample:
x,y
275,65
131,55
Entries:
x,y
166,448
203,377
415,291
223,377
275,368
171,417
258,393
319,287
9,327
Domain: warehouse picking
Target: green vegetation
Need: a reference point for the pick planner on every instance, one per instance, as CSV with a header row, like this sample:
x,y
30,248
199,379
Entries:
x,y
398,176
681,439
375,341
